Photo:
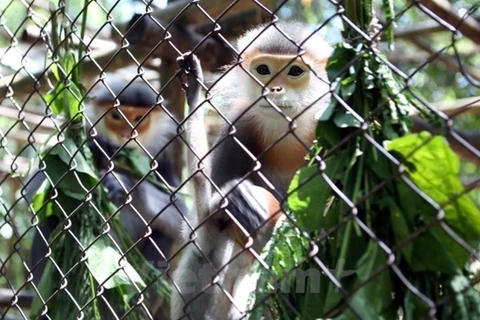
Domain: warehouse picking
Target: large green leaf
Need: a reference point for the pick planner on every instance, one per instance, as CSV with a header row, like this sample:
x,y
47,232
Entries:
x,y
103,261
310,195
65,97
379,289
69,153
343,53
434,168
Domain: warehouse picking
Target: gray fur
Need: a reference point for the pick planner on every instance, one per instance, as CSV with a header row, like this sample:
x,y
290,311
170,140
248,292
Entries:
x,y
274,42
135,94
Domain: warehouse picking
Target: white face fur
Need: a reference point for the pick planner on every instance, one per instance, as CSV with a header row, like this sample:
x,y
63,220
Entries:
x,y
296,84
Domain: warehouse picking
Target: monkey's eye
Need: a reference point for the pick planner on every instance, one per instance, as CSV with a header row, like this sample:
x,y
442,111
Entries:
x,y
295,71
115,115
137,118
262,70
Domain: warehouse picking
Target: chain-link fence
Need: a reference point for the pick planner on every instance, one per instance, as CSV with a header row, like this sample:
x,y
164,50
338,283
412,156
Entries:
x,y
346,143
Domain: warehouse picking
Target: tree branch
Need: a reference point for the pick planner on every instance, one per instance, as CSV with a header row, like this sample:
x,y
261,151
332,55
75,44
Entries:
x,y
468,26
153,32
450,62
93,65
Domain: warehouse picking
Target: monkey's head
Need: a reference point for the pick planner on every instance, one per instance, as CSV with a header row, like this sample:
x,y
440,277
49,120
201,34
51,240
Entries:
x,y
287,73
129,111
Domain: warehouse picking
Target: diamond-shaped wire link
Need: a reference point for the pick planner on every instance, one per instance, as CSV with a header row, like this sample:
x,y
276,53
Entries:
x,y
150,222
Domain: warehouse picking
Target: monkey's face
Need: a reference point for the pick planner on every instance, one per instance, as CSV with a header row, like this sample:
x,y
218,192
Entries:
x,y
287,84
125,124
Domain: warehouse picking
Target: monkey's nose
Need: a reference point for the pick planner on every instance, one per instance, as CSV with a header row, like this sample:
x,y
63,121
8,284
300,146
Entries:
x,y
125,133
277,90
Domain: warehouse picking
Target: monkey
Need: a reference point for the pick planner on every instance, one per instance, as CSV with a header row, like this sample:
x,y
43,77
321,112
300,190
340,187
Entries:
x,y
155,130
111,129
271,98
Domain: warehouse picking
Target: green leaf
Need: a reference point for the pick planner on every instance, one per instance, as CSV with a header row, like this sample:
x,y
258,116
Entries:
x,y
66,150
103,261
139,165
345,119
434,168
328,134
46,287
348,86
379,289
341,56
326,114
136,159
40,198
62,99
389,17
74,97
413,307
283,252
309,194
70,180
63,178
311,308
466,302
53,99
68,62
401,230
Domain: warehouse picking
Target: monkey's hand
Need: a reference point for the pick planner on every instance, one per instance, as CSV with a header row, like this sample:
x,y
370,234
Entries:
x,y
255,210
190,65
116,193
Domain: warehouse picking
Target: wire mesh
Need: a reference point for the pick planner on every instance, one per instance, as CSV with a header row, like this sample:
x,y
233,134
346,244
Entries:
x,y
100,199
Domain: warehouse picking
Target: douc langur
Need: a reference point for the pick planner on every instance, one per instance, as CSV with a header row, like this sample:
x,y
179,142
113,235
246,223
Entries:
x,y
150,205
154,132
273,124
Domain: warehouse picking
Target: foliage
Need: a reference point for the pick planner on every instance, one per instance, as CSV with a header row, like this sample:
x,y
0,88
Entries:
x,y
379,211
84,253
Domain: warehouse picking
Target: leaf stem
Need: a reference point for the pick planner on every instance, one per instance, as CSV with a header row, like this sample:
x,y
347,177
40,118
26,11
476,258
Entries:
x,y
96,309
343,250
82,36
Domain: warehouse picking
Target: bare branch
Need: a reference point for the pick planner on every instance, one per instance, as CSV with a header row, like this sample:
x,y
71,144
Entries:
x,y
466,105
24,299
93,66
426,28
468,26
450,62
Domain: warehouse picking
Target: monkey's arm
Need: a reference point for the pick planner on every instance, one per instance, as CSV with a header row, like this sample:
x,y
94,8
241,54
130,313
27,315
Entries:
x,y
146,205
196,136
230,162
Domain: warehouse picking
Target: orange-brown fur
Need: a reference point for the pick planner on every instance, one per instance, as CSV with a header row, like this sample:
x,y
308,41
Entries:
x,y
138,118
288,155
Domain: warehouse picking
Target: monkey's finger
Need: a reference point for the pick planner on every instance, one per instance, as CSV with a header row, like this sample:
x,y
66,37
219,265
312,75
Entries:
x,y
189,63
